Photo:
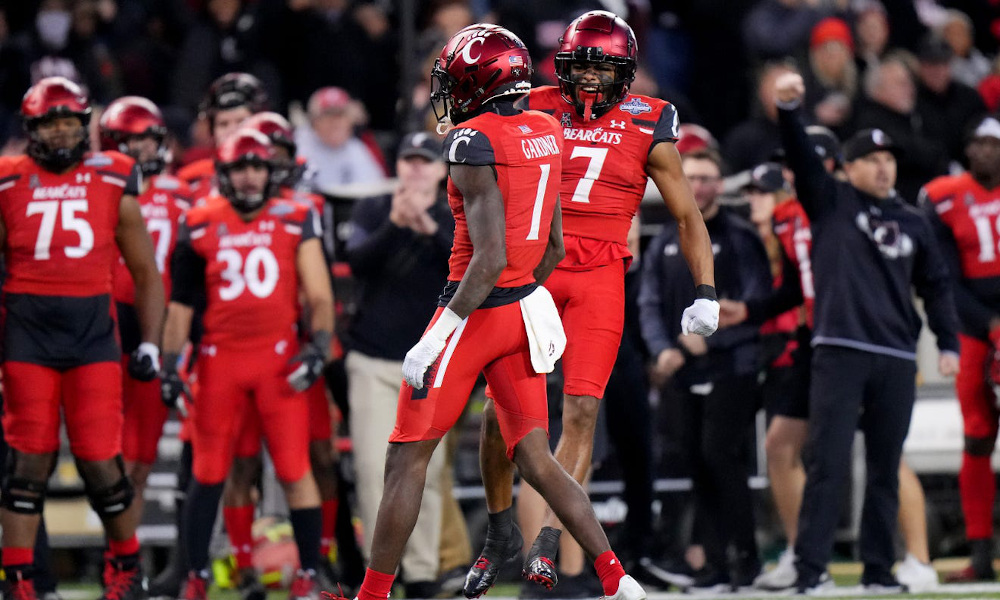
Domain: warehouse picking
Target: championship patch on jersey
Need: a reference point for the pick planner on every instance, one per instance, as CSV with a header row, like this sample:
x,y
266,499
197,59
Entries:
x,y
280,210
98,160
635,106
524,128
166,183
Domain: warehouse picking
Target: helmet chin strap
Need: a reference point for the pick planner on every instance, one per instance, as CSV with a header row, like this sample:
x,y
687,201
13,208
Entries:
x,y
444,125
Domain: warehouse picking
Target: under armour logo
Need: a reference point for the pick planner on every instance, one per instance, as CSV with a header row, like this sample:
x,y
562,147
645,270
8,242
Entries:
x,y
83,177
617,124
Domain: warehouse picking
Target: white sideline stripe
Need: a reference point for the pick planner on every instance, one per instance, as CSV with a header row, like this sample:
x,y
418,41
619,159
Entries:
x,y
449,351
112,180
7,185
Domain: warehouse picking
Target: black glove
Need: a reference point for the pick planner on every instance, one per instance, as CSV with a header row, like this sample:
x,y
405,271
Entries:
x,y
307,366
144,363
172,389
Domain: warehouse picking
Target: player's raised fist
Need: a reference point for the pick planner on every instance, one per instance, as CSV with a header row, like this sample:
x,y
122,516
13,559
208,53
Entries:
x,y
789,87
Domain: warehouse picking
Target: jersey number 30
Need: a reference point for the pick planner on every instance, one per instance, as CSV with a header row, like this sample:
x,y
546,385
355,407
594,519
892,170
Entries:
x,y
50,210
258,274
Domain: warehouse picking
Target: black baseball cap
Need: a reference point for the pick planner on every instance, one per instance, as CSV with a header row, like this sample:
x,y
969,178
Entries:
x,y
933,49
866,141
421,144
766,177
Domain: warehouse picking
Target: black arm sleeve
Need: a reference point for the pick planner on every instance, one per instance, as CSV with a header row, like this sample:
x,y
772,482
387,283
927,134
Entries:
x,y
934,285
133,184
187,271
813,185
780,300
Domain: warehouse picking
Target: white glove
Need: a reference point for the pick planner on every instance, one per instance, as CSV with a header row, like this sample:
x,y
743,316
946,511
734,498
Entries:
x,y
422,355
701,318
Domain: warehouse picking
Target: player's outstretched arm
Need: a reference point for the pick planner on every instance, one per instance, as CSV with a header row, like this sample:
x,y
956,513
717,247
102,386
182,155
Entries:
x,y
555,251
484,213
664,167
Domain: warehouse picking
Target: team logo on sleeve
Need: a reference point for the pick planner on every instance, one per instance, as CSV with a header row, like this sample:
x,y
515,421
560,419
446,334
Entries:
x,y
635,106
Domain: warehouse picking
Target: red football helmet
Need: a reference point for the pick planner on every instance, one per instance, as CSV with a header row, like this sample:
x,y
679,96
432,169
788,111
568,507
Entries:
x,y
233,90
134,116
597,36
478,64
287,171
50,98
245,147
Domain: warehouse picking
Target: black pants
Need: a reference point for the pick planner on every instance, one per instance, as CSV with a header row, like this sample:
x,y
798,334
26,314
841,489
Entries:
x,y
852,389
718,426
630,427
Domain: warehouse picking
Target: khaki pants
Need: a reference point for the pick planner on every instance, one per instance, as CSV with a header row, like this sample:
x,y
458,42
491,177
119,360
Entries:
x,y
373,391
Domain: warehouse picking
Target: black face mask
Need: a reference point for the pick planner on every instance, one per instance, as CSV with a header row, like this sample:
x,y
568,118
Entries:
x,y
56,159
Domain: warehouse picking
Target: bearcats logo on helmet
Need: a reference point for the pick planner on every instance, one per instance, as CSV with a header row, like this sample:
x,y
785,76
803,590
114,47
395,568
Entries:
x,y
478,64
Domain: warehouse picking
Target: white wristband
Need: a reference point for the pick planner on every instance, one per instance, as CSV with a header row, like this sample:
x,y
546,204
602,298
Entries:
x,y
150,349
445,324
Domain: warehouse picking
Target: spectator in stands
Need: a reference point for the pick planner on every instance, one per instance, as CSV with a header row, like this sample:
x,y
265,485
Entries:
x,y
398,251
832,74
871,35
714,378
890,105
227,38
755,140
968,65
944,106
329,143
775,29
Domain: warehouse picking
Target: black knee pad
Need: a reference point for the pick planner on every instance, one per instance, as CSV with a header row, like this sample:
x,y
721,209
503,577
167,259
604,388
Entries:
x,y
112,500
20,494
979,446
24,496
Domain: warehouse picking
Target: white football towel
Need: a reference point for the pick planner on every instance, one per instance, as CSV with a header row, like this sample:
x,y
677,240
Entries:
x,y
546,337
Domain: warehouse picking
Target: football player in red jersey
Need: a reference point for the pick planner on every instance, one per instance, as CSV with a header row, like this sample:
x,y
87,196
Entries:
x,y
237,500
134,126
964,210
230,100
615,142
505,165
66,215
249,254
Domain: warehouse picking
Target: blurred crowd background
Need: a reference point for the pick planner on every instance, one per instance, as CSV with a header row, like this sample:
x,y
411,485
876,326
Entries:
x,y
919,69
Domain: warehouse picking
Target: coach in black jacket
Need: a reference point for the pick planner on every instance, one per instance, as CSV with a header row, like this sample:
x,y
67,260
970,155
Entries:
x,y
869,250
